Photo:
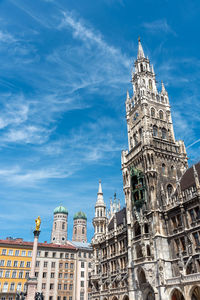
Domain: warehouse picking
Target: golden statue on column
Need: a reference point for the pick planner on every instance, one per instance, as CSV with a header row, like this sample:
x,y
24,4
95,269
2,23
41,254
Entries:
x,y
37,224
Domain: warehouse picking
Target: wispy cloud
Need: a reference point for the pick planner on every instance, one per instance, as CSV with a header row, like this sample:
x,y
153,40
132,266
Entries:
x,y
158,26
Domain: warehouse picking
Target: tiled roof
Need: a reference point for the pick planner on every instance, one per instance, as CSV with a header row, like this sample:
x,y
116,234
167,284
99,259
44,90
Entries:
x,y
120,216
187,179
21,242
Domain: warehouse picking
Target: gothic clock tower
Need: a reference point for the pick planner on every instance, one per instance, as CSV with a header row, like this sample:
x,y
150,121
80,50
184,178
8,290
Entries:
x,y
151,168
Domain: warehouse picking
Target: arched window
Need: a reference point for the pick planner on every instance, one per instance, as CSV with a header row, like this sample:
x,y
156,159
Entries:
x,y
163,169
161,114
177,295
150,84
164,133
139,251
141,67
172,171
155,130
83,230
137,229
75,230
63,225
169,190
196,293
146,228
152,112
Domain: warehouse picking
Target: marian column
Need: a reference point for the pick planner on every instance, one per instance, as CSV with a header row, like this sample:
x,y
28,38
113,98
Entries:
x,y
32,280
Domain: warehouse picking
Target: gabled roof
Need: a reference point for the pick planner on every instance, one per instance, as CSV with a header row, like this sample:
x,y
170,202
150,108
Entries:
x,y
120,216
188,180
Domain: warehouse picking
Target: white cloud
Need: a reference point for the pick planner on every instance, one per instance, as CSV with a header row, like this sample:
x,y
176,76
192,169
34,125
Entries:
x,y
158,26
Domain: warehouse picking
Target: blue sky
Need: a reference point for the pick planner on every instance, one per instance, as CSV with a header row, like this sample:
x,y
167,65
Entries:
x,y
65,67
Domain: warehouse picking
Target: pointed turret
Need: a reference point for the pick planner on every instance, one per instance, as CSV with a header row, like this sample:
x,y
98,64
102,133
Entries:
x,y
163,90
152,69
140,50
100,200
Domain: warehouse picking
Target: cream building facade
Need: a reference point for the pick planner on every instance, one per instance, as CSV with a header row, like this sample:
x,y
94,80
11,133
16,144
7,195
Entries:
x,y
162,198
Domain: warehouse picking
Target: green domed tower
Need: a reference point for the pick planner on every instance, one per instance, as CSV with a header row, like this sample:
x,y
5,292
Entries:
x,y
80,227
60,222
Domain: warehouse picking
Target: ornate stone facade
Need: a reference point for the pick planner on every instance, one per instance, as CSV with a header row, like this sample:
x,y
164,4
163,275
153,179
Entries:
x,y
162,202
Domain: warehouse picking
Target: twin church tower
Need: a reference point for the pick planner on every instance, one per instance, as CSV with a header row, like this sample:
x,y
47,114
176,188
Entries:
x,y
60,225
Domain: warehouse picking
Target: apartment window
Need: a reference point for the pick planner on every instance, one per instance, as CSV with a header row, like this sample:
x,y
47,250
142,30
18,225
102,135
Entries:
x,y
29,253
21,264
46,254
72,255
82,273
45,264
10,298
89,265
60,275
3,252
7,274
44,275
15,264
85,254
64,298
16,252
70,297
65,286
10,252
79,254
60,265
59,286
38,253
71,266
197,211
28,264
20,274
23,253
66,275
90,255
71,275
81,296
37,264
2,261
53,264
43,286
58,298
54,254
66,255
36,274
52,275
27,275
50,297
12,286
5,287
51,286
82,264
1,274
71,286
82,283
19,287
14,274
8,263
66,265
63,225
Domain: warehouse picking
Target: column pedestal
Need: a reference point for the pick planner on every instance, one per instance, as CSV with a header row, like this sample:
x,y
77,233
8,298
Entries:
x,y
32,280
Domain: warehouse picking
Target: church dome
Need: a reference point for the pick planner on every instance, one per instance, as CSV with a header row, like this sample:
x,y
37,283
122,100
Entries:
x,y
60,210
80,215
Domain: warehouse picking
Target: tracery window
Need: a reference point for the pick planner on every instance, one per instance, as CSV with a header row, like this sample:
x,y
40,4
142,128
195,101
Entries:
x,y
163,169
164,133
169,190
161,114
150,84
152,112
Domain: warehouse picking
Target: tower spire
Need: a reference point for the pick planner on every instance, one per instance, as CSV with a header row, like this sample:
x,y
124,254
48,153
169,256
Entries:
x,y
140,50
100,199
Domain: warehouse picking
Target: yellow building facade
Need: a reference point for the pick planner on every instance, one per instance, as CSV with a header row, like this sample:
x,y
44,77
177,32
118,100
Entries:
x,y
15,264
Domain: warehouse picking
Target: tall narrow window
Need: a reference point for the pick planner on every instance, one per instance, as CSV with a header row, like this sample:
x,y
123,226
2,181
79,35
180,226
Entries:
x,y
163,169
152,112
141,67
161,114
164,133
169,190
155,130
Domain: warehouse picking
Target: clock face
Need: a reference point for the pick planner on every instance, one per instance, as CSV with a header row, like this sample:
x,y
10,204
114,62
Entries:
x,y
135,116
